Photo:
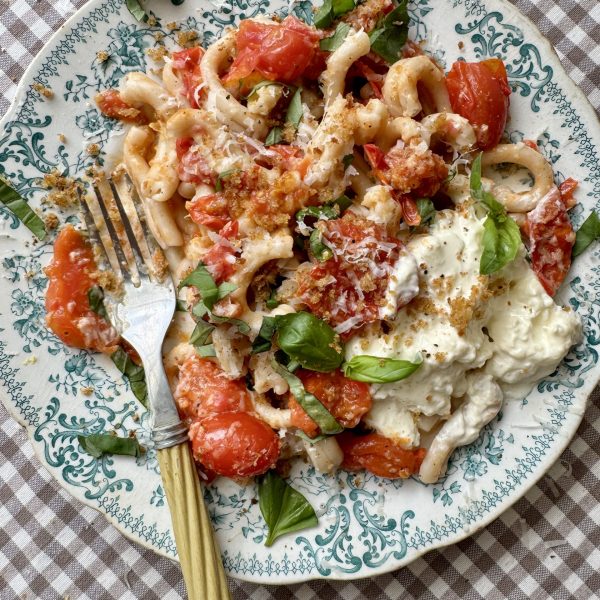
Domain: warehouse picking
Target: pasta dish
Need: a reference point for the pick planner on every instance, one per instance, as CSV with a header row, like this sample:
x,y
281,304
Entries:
x,y
352,288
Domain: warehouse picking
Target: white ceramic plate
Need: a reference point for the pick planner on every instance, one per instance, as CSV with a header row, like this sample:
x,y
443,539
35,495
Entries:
x,y
367,525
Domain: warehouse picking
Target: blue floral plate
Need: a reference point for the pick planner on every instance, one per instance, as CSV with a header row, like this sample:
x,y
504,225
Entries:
x,y
367,525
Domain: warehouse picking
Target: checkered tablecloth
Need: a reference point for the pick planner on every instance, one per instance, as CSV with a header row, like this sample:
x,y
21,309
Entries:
x,y
546,546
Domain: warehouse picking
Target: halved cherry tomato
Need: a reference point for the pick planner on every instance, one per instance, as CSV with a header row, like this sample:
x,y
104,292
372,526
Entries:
x,y
345,399
566,189
203,389
407,170
234,444
551,239
220,260
71,274
210,210
112,105
352,284
192,166
186,65
379,455
480,93
280,52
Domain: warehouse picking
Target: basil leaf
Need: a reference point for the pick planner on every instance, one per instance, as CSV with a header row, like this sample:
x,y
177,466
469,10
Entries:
x,y
587,233
262,84
319,250
309,402
426,210
294,112
180,306
391,33
274,136
96,299
323,212
309,341
133,373
263,340
284,509
501,235
272,302
242,326
135,8
206,351
99,444
225,289
202,334
199,310
331,9
501,242
336,40
221,176
347,160
373,369
203,281
19,207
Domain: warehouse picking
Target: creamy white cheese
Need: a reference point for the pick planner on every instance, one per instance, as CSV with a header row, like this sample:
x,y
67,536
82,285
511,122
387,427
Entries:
x,y
506,326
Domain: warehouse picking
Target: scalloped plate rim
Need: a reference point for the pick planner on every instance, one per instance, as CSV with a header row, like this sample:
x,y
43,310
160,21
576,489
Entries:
x,y
557,449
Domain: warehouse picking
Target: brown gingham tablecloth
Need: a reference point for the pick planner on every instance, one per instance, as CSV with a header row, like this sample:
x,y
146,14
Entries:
x,y
546,546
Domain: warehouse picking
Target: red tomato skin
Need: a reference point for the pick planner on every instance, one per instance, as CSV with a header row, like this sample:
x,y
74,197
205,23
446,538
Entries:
x,y
210,211
566,189
379,455
480,93
70,276
192,166
345,399
186,65
551,240
234,444
280,52
112,105
203,389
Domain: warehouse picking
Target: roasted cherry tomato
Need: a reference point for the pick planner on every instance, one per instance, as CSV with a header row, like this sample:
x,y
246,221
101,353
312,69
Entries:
x,y
112,105
210,210
220,260
234,444
566,189
275,52
203,389
71,274
186,65
345,399
191,165
379,455
551,239
480,93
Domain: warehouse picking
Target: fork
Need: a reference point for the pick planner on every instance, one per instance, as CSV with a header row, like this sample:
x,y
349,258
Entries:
x,y
142,318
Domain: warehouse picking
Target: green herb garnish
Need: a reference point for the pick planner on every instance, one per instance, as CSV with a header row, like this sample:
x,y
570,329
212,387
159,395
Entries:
x,y
294,112
319,250
284,509
330,10
588,232
135,8
373,369
99,444
96,299
336,40
501,235
391,33
263,341
19,207
221,176
274,136
133,373
426,210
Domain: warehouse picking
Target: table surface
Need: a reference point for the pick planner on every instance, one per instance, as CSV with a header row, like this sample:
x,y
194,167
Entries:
x,y
545,546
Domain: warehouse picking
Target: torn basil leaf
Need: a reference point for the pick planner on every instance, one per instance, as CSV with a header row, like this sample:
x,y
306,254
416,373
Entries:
x,y
330,10
274,136
203,281
309,341
221,176
19,207
242,326
264,339
294,112
336,40
135,8
501,235
133,373
180,305
318,249
283,508
426,210
96,299
373,369
391,33
262,84
99,444
309,402
347,160
588,232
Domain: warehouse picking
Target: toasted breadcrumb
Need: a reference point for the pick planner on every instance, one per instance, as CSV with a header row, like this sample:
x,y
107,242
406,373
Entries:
x,y
43,90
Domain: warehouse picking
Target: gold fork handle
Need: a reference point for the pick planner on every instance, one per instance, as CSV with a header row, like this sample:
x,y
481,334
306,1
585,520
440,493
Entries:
x,y
196,545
